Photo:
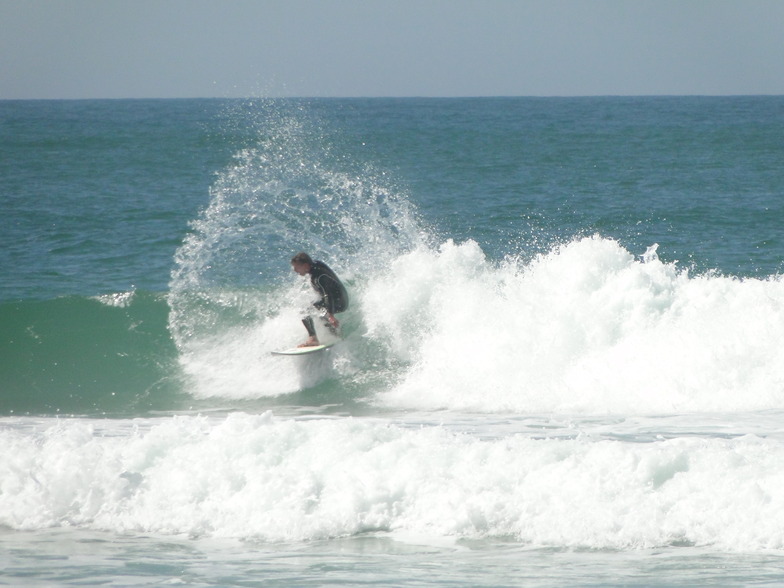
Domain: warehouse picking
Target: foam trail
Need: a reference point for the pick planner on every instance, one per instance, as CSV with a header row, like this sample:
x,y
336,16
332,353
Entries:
x,y
585,328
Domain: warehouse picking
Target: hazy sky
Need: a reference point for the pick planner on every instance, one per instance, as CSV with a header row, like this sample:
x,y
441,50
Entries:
x,y
223,48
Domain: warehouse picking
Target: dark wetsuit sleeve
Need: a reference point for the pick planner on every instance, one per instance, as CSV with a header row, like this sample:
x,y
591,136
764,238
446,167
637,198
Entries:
x,y
325,287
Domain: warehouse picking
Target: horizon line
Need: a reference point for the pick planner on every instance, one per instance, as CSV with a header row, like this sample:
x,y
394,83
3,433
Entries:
x,y
396,97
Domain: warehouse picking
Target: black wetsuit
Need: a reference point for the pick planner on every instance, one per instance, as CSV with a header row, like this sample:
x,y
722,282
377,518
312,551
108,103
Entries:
x,y
332,292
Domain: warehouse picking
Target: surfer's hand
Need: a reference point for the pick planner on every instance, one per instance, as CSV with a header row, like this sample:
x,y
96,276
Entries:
x,y
333,321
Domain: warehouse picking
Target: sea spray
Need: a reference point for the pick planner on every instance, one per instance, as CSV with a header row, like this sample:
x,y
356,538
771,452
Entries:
x,y
288,192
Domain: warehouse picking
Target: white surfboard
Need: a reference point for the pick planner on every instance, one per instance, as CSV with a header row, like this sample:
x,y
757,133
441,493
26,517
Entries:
x,y
304,350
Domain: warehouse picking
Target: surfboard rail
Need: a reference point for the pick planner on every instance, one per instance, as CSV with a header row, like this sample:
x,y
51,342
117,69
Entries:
x,y
304,350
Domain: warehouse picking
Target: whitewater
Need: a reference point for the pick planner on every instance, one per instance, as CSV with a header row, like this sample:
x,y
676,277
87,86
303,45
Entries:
x,y
574,401
510,404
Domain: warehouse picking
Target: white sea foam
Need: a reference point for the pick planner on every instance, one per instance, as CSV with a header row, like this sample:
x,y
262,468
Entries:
x,y
235,360
584,328
255,476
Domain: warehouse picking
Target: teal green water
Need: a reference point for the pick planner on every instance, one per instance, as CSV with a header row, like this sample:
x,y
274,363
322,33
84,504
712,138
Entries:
x,y
76,355
97,194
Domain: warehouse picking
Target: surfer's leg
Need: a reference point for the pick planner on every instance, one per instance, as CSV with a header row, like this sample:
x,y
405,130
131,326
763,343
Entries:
x,y
311,328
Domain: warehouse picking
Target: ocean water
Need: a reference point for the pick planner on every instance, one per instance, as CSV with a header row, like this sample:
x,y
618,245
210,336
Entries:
x,y
562,365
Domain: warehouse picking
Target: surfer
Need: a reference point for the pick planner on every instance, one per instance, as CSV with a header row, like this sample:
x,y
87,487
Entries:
x,y
333,297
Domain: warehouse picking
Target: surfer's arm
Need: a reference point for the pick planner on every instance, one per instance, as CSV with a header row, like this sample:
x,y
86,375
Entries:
x,y
325,302
332,320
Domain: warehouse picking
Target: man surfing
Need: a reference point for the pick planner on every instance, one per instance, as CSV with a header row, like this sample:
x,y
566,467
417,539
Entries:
x,y
333,297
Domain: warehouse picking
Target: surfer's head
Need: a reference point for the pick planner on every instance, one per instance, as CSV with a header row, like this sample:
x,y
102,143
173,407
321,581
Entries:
x,y
301,263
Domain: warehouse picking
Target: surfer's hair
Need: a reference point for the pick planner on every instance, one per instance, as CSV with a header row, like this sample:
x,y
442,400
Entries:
x,y
302,257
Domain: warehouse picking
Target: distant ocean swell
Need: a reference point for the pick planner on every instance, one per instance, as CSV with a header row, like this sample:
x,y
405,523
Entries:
x,y
257,477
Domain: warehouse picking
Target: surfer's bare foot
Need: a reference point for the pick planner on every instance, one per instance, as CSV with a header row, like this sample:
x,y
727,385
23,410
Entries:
x,y
312,342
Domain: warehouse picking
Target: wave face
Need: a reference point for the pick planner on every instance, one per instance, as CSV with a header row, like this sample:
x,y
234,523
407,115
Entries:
x,y
100,355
